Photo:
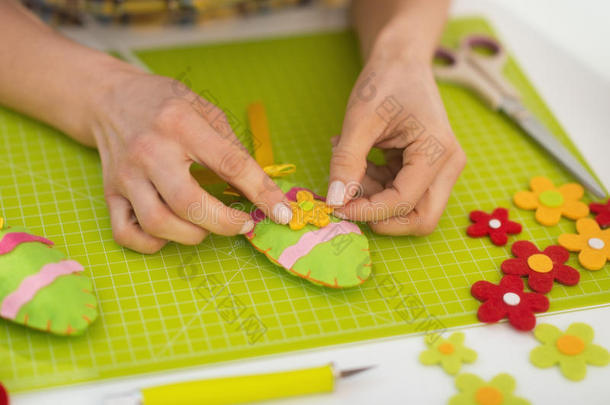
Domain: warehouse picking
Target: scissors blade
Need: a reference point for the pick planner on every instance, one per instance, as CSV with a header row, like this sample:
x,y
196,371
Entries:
x,y
537,131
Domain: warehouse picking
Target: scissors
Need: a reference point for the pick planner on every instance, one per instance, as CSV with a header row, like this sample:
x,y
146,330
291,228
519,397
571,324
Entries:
x,y
482,73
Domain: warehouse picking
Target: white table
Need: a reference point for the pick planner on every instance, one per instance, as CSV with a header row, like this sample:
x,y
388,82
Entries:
x,y
575,67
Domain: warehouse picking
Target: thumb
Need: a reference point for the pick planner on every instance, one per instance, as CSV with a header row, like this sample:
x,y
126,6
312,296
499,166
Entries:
x,y
348,166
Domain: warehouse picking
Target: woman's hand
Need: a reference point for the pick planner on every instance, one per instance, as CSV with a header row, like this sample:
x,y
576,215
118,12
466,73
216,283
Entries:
x,y
149,130
395,106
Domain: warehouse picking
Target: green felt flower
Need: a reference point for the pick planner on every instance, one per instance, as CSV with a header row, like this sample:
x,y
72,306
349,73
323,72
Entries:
x,y
475,391
450,353
572,350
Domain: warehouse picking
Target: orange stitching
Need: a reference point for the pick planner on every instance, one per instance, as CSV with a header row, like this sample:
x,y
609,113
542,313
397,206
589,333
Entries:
x,y
86,318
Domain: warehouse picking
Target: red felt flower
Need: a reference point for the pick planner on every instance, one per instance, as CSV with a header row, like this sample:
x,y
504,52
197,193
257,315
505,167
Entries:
x,y
496,225
541,268
603,213
508,300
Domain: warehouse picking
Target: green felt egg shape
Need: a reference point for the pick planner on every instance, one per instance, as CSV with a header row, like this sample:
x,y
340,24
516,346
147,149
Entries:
x,y
335,256
40,288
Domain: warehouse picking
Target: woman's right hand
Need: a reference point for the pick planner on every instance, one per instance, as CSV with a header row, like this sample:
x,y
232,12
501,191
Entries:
x,y
149,130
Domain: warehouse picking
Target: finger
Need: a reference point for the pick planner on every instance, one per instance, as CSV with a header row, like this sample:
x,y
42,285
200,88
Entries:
x,y
125,228
348,160
416,176
424,218
156,218
193,204
223,153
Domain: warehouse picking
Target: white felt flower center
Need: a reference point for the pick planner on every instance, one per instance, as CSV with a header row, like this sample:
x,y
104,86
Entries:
x,y
495,224
511,299
596,243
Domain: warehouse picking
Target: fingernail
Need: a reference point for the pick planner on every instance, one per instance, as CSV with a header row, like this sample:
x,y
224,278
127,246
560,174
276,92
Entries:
x,y
247,227
282,213
339,215
336,193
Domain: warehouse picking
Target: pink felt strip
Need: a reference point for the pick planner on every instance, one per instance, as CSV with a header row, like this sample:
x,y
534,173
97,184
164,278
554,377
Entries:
x,y
311,239
11,240
34,283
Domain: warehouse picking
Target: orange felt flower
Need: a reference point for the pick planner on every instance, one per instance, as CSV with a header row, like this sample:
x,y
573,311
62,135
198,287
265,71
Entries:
x,y
552,202
307,210
592,243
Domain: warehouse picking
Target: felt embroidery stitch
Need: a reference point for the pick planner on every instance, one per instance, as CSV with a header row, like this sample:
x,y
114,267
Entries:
x,y
476,391
508,300
592,243
450,353
495,225
551,203
541,267
572,350
603,213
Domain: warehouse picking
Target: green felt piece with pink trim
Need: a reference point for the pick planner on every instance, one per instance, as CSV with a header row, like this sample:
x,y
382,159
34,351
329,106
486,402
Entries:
x,y
335,256
40,288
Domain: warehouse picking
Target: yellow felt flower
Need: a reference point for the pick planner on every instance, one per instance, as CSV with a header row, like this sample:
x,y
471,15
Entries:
x,y
307,210
592,243
552,202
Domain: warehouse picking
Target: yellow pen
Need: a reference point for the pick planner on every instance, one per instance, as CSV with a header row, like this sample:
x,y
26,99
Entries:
x,y
239,389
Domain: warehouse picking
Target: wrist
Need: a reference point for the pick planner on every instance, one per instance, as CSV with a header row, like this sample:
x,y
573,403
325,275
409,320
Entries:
x,y
397,42
106,79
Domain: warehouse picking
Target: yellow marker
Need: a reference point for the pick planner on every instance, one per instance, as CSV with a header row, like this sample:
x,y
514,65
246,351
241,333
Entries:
x,y
238,390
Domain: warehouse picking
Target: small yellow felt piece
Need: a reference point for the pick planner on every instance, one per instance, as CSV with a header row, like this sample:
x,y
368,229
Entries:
x,y
570,345
307,210
489,396
540,263
1,222
280,170
261,137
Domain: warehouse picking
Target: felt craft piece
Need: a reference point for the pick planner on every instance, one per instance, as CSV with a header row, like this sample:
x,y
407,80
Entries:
x,y
39,288
551,203
335,256
450,353
591,241
603,213
473,390
572,350
541,268
495,225
507,300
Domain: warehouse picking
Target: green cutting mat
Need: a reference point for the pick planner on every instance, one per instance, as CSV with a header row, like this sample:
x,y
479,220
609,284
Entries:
x,y
222,300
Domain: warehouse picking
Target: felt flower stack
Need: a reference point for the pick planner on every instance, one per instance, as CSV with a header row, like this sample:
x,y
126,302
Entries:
x,y
541,267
